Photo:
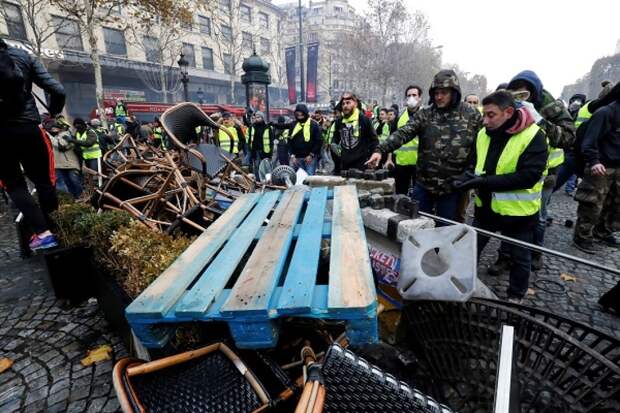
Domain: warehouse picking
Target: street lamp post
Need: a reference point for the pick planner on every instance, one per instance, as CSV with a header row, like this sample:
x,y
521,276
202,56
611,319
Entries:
x,y
256,79
183,65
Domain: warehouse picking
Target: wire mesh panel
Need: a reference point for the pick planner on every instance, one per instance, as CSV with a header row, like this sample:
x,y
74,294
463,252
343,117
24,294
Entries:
x,y
562,365
354,385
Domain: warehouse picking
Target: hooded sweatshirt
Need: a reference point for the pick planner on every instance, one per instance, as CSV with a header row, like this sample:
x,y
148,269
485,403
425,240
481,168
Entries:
x,y
557,122
530,167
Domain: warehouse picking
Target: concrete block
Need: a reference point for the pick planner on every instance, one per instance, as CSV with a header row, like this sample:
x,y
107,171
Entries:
x,y
411,226
328,180
387,185
439,264
376,201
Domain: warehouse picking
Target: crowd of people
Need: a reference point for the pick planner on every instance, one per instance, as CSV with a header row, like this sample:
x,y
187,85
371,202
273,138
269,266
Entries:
x,y
507,152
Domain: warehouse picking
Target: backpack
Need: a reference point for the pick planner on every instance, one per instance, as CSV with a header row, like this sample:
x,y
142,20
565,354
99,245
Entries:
x,y
12,91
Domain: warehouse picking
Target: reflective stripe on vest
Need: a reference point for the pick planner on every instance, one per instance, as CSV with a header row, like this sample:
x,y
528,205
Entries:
x,y
518,203
556,157
408,153
91,152
225,142
284,135
583,115
119,110
306,128
266,142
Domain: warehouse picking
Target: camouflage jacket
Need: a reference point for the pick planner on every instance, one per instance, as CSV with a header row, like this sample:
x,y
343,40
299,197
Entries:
x,y
446,142
557,122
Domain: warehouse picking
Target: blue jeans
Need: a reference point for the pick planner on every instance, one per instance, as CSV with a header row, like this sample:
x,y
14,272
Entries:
x,y
69,180
445,206
566,173
310,169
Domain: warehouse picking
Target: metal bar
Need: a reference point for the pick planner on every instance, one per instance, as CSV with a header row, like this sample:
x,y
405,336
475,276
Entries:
x,y
504,370
527,245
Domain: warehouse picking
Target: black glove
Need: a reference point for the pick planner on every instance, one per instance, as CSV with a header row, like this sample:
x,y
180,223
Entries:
x,y
467,181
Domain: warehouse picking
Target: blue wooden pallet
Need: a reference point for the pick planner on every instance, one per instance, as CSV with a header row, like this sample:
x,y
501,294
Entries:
x,y
282,234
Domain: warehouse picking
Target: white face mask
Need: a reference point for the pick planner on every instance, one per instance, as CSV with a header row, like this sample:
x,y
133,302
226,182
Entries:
x,y
412,101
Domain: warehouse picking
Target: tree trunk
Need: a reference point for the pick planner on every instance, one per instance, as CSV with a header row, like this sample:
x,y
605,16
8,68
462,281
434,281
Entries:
x,y
232,80
162,78
94,55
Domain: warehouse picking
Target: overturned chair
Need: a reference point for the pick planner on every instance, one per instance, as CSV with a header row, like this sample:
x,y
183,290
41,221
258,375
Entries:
x,y
210,379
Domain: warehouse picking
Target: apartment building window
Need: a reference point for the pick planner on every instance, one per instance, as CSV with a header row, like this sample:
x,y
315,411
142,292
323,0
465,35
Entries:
x,y
114,41
337,10
151,49
14,21
246,40
204,24
227,33
265,46
190,56
207,58
227,63
225,5
263,20
313,36
68,34
245,13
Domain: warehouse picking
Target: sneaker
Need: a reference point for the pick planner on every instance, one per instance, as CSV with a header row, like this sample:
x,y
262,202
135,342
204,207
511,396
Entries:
x,y
608,239
500,266
586,246
537,262
515,300
44,243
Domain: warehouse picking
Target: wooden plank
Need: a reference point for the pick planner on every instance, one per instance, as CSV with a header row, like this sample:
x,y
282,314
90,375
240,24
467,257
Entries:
x,y
350,275
252,291
214,279
163,293
301,276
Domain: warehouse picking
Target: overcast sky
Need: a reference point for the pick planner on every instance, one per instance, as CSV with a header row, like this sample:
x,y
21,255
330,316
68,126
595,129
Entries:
x,y
558,39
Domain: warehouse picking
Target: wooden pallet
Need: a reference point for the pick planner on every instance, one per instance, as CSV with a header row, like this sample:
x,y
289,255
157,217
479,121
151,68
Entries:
x,y
280,234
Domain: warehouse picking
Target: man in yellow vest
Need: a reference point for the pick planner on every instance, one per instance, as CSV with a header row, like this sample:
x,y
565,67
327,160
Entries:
x,y
304,140
158,134
260,140
86,139
406,157
510,158
234,140
354,134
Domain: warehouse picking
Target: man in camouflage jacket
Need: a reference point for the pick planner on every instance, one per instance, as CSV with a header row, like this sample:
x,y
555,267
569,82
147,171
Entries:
x,y
447,129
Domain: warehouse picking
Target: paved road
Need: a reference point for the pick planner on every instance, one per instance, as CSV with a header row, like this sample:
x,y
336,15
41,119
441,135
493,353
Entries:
x,y
47,342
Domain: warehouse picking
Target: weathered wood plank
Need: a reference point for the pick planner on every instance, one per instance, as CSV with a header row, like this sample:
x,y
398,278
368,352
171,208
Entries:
x,y
299,284
214,279
351,284
254,288
163,293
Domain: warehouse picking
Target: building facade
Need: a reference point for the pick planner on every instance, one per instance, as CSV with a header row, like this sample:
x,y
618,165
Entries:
x,y
130,71
327,22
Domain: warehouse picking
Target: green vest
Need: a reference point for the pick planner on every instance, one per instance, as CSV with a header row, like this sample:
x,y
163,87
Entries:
x,y
225,143
266,142
119,110
120,129
385,132
91,152
306,128
518,203
408,153
354,121
158,134
583,115
328,135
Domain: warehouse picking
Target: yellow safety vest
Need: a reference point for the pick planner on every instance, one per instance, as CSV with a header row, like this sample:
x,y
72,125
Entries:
x,y
583,115
385,132
119,110
306,128
120,129
284,135
518,203
91,152
225,142
329,133
556,157
266,142
408,153
354,121
158,134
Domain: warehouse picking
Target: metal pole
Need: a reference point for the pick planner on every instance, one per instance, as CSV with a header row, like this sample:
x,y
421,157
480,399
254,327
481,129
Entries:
x,y
528,245
301,59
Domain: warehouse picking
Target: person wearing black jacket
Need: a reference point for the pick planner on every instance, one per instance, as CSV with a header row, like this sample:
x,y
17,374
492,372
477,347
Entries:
x,y
354,134
510,158
304,140
598,214
25,145
260,140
